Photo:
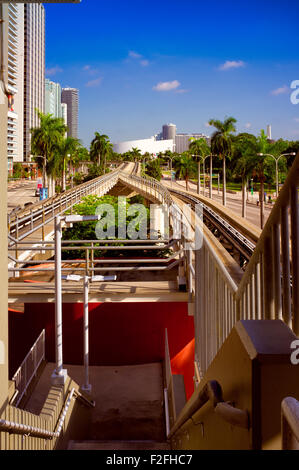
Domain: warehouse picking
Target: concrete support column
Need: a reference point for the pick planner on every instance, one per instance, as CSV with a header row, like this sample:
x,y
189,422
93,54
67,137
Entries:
x,y
59,375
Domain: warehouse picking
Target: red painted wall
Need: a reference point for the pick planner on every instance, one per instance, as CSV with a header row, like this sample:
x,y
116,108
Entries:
x,y
120,333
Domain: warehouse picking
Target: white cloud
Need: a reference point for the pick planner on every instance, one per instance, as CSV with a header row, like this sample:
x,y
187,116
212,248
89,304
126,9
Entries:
x,y
167,86
94,83
135,55
144,63
232,64
296,119
181,90
248,125
280,91
53,70
90,70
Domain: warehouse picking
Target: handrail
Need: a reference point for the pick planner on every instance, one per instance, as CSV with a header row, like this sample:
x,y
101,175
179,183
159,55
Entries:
x,y
20,377
212,392
18,428
46,210
68,192
282,201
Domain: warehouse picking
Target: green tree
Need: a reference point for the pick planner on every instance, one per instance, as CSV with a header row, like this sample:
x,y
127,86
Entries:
x,y
153,169
66,150
221,144
263,163
200,149
185,167
96,147
243,161
44,140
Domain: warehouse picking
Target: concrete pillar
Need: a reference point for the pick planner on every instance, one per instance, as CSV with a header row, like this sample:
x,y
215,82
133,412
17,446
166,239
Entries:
x,y
3,234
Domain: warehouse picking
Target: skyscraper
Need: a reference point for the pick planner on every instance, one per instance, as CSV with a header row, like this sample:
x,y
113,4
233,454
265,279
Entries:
x,y
70,96
13,16
53,98
34,69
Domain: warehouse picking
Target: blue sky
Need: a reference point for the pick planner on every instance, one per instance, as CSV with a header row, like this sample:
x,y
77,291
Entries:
x,y
141,64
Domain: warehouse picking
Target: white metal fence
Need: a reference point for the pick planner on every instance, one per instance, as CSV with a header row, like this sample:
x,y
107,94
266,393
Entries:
x,y
29,367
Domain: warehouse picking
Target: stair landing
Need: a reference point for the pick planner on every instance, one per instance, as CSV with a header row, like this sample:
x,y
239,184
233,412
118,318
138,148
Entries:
x,y
118,445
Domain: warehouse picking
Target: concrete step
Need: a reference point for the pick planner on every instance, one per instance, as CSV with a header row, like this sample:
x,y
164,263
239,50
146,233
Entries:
x,y
118,445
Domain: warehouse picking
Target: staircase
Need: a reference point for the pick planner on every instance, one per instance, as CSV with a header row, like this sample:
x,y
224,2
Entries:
x,y
129,412
118,445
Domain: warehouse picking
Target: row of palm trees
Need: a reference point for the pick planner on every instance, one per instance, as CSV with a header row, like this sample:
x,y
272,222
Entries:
x,y
55,153
248,157
245,153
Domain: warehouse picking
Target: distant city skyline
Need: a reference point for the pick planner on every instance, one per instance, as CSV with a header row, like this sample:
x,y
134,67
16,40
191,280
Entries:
x,y
140,70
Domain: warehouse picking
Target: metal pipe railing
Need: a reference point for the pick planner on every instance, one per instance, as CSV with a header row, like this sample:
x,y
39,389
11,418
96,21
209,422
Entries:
x,y
18,428
211,392
27,370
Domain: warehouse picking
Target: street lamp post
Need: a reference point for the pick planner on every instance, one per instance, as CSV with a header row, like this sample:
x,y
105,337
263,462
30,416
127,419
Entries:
x,y
59,375
170,158
203,159
276,164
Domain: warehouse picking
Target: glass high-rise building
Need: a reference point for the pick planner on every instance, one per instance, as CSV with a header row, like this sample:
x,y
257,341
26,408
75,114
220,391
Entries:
x,y
70,96
34,69
53,98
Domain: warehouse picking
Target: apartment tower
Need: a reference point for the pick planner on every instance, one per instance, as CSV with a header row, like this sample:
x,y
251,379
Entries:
x,y
34,69
13,15
70,96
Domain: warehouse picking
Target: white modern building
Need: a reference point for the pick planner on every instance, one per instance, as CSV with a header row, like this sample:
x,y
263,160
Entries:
x,y
13,15
34,69
151,146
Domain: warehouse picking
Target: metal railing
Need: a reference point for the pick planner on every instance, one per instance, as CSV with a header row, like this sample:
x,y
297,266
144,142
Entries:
x,y
88,264
29,367
24,222
211,392
37,432
268,288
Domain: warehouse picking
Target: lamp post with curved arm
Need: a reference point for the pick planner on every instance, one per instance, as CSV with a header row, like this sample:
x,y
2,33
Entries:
x,y
203,159
276,164
170,158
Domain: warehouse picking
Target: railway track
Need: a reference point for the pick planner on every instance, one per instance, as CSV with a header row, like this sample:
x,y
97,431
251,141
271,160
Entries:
x,y
239,246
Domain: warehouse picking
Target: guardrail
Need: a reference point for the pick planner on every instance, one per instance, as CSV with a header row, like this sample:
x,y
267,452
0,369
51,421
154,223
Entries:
x,y
29,367
24,222
268,288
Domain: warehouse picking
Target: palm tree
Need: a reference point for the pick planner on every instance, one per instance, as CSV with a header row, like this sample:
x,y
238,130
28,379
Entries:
x,y
107,149
136,154
65,150
96,147
244,152
221,144
44,139
264,162
200,149
185,166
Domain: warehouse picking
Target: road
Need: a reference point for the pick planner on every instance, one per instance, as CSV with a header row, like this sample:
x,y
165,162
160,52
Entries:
x,y
20,192
233,202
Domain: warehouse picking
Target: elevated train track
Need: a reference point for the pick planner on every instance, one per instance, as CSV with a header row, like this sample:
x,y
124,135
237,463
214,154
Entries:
x,y
239,246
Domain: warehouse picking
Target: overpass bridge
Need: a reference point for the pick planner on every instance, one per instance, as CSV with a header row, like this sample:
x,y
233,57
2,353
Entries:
x,y
241,289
